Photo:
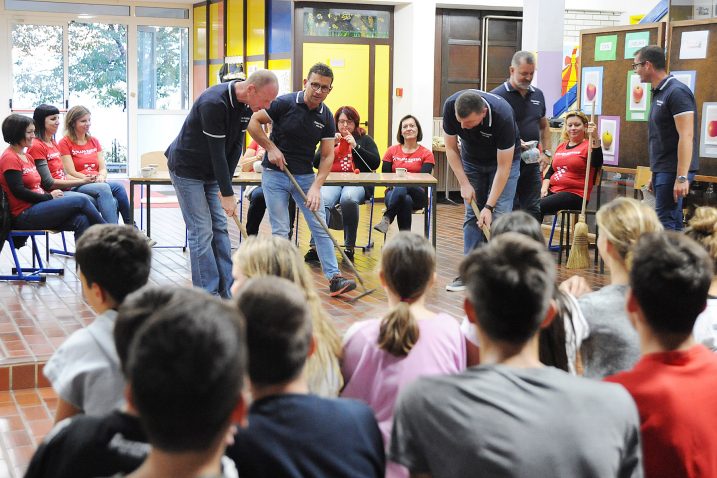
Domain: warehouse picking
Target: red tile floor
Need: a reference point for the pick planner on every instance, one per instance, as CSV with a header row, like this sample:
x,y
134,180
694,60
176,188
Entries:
x,y
36,318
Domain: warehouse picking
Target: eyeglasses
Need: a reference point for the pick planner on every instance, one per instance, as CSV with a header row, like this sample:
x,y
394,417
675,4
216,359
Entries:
x,y
635,65
318,87
346,121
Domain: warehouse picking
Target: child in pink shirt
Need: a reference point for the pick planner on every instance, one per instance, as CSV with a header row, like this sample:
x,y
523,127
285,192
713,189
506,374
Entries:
x,y
381,356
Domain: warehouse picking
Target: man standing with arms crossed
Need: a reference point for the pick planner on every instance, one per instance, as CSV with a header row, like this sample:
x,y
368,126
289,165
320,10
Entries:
x,y
487,165
201,162
528,104
672,135
301,120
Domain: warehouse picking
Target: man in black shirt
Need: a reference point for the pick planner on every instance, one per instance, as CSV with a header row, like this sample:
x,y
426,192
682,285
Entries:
x,y
202,160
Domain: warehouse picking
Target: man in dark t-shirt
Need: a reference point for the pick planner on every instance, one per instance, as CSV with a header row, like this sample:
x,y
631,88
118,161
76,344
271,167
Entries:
x,y
528,103
299,121
672,135
202,160
487,166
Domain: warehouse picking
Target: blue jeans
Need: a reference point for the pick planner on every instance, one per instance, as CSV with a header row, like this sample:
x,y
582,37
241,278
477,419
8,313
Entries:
x,y
481,178
668,211
350,197
527,191
108,197
277,189
208,238
72,213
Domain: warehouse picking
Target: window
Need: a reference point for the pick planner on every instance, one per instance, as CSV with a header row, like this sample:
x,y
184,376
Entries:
x,y
345,22
163,67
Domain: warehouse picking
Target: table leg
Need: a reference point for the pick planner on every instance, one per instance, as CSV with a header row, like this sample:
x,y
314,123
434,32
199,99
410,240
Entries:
x,y
149,209
434,214
131,202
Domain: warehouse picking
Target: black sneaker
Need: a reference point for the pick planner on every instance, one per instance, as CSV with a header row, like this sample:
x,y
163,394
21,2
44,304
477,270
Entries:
x,y
339,285
350,254
312,256
456,286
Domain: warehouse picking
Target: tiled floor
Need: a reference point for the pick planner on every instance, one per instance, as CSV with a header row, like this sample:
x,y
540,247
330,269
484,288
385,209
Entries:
x,y
36,318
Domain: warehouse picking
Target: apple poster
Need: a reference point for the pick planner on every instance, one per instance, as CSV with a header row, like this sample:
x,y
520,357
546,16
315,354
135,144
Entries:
x,y
708,143
638,99
591,88
609,131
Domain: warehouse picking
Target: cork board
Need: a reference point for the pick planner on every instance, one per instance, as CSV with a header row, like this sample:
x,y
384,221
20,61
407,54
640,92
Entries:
x,y
633,134
706,68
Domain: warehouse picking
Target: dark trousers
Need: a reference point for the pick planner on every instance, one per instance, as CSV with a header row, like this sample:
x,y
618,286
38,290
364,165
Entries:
x,y
552,203
527,191
73,213
401,202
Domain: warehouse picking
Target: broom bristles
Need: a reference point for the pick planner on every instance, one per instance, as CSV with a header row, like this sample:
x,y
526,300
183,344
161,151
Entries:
x,y
578,258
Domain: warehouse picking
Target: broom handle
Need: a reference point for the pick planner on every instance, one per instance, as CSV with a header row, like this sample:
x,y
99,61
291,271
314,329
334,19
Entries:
x,y
324,226
587,166
484,228
241,227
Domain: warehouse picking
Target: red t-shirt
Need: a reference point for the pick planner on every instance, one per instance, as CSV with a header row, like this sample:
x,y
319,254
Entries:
x,y
84,157
569,169
412,162
40,150
676,396
11,161
343,158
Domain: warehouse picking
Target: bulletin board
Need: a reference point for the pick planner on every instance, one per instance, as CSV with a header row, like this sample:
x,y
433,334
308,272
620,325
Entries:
x,y
704,84
613,91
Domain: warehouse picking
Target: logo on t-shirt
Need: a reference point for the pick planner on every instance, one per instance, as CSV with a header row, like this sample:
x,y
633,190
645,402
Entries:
x,y
319,125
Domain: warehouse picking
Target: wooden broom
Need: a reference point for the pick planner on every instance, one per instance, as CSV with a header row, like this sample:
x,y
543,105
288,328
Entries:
x,y
578,258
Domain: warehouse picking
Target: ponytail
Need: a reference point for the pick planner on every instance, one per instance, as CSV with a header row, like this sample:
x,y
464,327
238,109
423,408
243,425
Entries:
x,y
399,330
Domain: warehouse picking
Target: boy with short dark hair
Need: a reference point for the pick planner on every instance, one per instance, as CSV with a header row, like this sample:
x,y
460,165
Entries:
x,y
675,382
112,261
291,432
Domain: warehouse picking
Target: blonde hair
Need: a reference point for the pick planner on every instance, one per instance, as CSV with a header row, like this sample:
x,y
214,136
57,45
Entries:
x,y
408,263
703,229
622,221
574,113
277,256
71,117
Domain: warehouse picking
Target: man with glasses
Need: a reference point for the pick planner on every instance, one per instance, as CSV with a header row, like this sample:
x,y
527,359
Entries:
x,y
300,120
672,135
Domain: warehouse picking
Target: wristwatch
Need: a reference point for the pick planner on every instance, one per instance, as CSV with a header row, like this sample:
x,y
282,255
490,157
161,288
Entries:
x,y
548,153
489,207
681,179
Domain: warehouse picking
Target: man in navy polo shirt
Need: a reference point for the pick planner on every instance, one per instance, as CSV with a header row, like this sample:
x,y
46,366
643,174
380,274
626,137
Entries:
x,y
528,104
202,160
300,120
487,166
672,135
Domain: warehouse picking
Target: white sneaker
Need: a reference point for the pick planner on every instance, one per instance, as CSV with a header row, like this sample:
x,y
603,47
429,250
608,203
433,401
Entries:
x,y
456,286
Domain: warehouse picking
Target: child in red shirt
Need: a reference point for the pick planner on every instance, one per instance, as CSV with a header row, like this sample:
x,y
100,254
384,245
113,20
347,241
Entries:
x,y
408,154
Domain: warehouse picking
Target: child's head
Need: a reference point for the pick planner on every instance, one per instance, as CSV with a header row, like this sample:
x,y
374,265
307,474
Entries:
x,y
670,278
408,267
621,223
520,222
703,229
186,372
278,328
509,287
115,258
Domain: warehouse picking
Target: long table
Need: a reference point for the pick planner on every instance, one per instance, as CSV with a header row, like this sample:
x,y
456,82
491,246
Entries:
x,y
161,178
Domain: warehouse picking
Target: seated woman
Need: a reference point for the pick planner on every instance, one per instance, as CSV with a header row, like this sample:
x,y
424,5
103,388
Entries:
x,y
703,229
408,154
612,344
276,256
255,194
354,150
83,158
564,181
30,206
381,356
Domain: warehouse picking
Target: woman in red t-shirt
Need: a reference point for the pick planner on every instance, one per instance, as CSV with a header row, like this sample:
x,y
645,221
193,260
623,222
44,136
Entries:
x,y
402,201
82,157
30,206
565,180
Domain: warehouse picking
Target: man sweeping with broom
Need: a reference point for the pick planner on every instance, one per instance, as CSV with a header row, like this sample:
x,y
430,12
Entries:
x,y
300,121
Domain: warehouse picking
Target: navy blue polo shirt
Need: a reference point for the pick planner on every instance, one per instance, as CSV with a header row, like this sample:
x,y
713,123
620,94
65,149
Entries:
x,y
528,109
296,130
669,99
218,114
497,131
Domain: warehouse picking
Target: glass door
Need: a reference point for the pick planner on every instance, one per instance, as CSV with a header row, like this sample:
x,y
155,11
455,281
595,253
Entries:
x,y
97,77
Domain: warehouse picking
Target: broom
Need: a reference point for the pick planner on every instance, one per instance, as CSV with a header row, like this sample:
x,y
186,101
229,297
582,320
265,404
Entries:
x,y
578,258
484,228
